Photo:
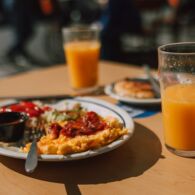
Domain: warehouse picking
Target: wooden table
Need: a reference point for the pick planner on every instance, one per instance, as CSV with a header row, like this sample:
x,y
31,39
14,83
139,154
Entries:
x,y
141,166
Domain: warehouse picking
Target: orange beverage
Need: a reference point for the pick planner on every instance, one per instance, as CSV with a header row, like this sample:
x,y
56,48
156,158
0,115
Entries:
x,y
178,104
82,58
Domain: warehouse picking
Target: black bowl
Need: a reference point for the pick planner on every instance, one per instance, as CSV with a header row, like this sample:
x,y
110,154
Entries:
x,y
12,126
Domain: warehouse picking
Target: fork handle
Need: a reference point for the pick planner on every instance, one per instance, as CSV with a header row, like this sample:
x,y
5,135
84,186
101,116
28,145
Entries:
x,y
32,158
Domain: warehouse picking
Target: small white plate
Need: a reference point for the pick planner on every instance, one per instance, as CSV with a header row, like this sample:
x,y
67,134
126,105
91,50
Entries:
x,y
101,107
110,92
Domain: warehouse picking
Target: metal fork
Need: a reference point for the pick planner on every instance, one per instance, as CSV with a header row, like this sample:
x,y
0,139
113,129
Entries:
x,y
152,80
32,158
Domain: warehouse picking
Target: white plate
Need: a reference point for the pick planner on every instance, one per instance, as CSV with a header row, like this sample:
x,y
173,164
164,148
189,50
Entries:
x,y
109,91
101,107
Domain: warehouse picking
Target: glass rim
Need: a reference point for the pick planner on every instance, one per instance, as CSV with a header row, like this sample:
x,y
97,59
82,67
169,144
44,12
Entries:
x,y
80,28
160,48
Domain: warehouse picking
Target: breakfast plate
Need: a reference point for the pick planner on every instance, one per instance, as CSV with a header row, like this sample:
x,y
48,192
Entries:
x,y
110,91
103,109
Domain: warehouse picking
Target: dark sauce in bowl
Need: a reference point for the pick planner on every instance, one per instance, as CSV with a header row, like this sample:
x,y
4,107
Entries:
x,y
12,126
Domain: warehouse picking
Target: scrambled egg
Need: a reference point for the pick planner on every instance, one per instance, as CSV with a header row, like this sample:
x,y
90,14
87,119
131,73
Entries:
x,y
64,145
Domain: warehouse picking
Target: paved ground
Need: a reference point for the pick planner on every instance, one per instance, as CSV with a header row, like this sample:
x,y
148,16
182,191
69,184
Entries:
x,y
35,47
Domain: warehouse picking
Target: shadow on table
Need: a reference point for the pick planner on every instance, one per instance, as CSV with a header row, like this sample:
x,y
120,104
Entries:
x,y
132,159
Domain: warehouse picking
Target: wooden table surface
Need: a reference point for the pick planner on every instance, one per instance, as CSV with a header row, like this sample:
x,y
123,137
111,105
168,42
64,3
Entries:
x,y
141,166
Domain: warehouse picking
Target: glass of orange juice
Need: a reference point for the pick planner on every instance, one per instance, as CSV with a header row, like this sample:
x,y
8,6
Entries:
x,y
82,50
177,80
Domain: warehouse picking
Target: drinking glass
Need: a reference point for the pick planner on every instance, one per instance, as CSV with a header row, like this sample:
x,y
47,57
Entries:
x,y
82,49
177,80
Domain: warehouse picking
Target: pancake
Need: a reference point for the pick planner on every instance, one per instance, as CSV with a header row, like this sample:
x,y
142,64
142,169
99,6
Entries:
x,y
134,89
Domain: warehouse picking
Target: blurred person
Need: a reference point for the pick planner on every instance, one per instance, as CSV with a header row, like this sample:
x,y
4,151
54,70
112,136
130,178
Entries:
x,y
182,13
121,17
184,10
69,12
21,17
79,12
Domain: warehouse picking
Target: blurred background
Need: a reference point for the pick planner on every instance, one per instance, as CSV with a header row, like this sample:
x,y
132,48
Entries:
x,y
30,30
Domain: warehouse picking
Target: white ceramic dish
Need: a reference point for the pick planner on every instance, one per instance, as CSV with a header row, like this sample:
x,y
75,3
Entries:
x,y
101,107
110,92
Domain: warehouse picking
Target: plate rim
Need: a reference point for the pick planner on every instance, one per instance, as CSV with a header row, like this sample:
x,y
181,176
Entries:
x,y
89,153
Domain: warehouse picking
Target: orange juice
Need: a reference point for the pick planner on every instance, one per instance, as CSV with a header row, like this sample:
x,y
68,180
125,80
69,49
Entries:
x,y
178,104
82,58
